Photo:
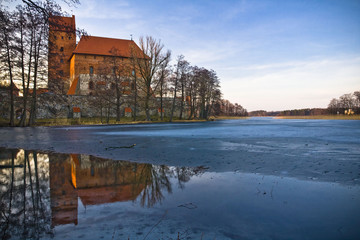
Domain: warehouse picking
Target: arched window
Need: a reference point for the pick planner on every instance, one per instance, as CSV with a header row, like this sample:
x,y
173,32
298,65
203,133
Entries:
x,y
91,85
61,49
91,70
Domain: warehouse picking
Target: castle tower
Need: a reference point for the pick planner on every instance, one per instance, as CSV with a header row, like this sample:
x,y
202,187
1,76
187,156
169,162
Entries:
x,y
62,42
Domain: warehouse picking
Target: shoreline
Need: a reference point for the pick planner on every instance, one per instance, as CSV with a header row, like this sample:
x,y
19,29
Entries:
x,y
124,121
322,117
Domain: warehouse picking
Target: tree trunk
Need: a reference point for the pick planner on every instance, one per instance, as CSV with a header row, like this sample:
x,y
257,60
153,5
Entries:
x,y
25,87
135,97
34,95
173,103
118,113
182,100
147,110
161,100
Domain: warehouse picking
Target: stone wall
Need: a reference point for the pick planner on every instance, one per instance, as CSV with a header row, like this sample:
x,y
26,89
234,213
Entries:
x,y
50,105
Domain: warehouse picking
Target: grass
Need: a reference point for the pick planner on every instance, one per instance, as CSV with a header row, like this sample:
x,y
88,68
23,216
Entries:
x,y
330,117
229,117
95,121
155,119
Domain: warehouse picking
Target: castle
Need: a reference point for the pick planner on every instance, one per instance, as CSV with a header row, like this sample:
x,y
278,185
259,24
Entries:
x,y
83,69
69,62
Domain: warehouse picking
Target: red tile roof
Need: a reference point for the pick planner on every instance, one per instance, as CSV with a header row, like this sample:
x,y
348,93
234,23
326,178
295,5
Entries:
x,y
106,46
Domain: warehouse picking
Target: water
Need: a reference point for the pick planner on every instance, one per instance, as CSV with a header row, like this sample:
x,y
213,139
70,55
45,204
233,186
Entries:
x,y
259,178
76,196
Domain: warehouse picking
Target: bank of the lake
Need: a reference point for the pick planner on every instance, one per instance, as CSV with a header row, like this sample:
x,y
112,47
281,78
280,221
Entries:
x,y
323,117
98,121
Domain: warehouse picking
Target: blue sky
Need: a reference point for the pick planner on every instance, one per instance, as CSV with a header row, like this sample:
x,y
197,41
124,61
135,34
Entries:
x,y
269,54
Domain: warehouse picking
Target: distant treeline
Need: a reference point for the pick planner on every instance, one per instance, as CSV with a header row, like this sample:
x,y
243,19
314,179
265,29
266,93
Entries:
x,y
346,104
304,112
294,112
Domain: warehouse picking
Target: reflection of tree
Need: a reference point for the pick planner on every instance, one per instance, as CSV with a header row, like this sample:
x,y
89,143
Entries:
x,y
24,213
157,179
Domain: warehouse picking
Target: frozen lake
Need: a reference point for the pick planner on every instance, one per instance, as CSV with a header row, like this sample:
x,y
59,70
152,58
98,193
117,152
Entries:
x,y
324,150
259,178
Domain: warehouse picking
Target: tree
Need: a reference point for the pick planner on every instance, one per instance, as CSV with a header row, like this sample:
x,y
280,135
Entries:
x,y
148,63
184,79
347,101
209,91
181,69
7,35
163,77
117,77
334,106
24,51
192,90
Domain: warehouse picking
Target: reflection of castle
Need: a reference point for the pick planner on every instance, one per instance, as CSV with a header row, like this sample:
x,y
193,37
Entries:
x,y
30,202
93,180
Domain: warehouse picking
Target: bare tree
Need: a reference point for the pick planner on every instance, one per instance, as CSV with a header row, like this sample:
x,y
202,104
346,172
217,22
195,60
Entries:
x,y
24,43
148,63
164,74
181,69
117,76
7,35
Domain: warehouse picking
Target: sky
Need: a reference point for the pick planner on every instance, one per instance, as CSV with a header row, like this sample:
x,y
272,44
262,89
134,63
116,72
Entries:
x,y
269,54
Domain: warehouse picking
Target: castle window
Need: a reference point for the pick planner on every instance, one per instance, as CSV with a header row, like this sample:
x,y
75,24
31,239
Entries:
x,y
61,49
62,37
91,70
61,73
133,72
61,60
91,85
69,38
